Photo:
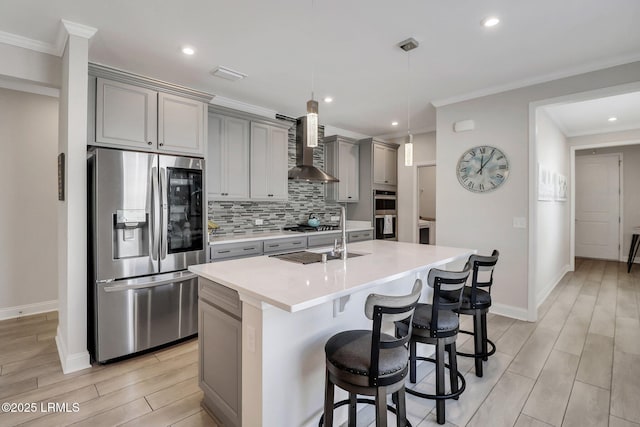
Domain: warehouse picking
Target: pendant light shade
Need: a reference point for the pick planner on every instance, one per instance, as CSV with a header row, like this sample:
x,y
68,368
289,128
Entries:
x,y
408,45
408,151
312,123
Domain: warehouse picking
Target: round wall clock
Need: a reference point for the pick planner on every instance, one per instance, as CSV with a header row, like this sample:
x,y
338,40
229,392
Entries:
x,y
482,169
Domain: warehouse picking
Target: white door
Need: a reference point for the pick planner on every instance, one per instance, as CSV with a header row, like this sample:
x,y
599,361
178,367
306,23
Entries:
x,y
598,206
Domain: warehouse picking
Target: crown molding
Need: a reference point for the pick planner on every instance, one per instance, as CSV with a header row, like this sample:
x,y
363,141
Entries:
x,y
492,90
243,106
27,43
80,30
403,133
25,86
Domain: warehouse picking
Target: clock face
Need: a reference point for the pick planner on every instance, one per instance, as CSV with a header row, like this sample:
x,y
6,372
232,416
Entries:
x,y
482,169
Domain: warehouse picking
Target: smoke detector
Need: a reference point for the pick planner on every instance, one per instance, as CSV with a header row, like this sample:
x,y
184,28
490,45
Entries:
x,y
408,44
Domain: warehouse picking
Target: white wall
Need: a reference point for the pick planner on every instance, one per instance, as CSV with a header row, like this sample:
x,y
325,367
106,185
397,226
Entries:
x,y
28,186
424,151
427,191
553,234
485,221
631,176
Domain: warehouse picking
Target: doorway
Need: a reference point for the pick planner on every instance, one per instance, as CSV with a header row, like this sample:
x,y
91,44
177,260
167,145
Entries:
x,y
597,205
427,204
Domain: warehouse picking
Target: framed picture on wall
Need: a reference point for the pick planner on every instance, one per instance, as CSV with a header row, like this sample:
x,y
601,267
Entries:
x,y
61,176
561,188
546,188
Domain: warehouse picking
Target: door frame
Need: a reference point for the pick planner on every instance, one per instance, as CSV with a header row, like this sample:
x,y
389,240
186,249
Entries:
x,y
572,214
416,199
532,306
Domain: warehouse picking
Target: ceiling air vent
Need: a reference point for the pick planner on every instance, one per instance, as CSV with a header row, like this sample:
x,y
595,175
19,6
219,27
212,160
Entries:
x,y
228,73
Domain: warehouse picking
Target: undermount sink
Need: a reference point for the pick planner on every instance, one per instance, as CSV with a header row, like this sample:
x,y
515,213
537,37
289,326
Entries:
x,y
306,257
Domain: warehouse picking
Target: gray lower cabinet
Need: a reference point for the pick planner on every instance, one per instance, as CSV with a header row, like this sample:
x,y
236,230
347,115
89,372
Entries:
x,y
220,346
323,240
235,250
359,236
289,244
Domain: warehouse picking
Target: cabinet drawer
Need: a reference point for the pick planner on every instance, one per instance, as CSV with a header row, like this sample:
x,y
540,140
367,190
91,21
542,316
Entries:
x,y
358,236
323,240
283,245
235,250
220,296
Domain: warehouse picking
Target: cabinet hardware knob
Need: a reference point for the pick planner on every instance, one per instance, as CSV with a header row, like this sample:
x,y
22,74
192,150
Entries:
x,y
162,143
149,143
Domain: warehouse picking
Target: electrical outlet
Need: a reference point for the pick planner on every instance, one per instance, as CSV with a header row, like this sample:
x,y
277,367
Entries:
x,y
259,222
335,218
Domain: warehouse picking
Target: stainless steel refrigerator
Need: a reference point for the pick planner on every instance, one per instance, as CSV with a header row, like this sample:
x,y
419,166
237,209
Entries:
x,y
147,217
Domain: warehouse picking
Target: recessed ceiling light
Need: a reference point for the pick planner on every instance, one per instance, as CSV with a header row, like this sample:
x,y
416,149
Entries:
x,y
394,123
490,21
612,119
328,99
187,50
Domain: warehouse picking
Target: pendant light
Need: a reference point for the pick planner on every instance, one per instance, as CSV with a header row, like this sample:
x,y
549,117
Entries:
x,y
312,105
408,45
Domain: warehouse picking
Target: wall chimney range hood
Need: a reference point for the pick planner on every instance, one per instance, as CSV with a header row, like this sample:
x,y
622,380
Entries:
x,y
304,169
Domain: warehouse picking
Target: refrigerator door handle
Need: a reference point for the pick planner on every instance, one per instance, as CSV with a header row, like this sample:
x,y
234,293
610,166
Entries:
x,y
165,213
155,212
144,283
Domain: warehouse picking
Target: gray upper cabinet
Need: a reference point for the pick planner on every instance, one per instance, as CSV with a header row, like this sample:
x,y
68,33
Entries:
x,y
269,162
228,158
342,160
181,125
129,116
385,164
126,115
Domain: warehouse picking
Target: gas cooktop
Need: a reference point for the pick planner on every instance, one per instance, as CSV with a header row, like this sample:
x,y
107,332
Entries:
x,y
304,228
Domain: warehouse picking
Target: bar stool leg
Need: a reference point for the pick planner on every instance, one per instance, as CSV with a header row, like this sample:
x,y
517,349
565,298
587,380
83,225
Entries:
x,y
440,382
633,251
328,401
477,340
412,362
381,407
485,347
401,407
352,409
453,368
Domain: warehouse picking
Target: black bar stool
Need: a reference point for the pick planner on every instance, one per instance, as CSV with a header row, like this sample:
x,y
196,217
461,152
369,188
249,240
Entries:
x,y
476,301
633,250
371,363
437,324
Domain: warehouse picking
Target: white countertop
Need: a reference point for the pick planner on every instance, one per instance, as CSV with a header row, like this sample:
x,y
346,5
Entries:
x,y
294,287
217,240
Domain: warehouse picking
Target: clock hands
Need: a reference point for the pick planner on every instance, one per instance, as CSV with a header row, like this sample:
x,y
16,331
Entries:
x,y
483,163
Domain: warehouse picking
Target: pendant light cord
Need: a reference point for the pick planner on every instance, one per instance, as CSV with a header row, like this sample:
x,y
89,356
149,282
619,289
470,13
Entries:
x,y
313,50
408,93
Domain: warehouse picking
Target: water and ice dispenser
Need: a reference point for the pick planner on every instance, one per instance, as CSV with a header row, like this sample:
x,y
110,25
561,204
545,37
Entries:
x,y
130,233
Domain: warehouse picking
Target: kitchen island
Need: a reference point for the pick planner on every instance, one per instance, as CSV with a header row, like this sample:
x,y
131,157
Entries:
x,y
275,317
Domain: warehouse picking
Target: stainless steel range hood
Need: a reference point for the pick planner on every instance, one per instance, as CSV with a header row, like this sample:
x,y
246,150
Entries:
x,y
304,169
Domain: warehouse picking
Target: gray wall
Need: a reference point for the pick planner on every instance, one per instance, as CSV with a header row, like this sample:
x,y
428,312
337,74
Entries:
x,y
304,198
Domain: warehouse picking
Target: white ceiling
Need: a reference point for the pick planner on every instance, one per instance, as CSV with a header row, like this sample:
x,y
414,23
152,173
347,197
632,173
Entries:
x,y
353,48
591,117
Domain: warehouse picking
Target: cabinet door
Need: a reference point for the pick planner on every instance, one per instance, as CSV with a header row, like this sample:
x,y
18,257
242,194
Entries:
x,y
391,166
348,171
228,158
259,166
278,166
220,374
379,164
180,125
126,115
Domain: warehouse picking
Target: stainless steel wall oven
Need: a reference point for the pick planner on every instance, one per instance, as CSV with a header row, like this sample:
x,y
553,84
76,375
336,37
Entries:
x,y
385,214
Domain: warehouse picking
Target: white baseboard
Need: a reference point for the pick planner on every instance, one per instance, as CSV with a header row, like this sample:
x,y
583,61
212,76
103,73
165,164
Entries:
x,y
626,258
71,362
509,311
544,292
28,309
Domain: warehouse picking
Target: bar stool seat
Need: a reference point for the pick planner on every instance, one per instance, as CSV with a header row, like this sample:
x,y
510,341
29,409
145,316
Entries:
x,y
447,321
483,299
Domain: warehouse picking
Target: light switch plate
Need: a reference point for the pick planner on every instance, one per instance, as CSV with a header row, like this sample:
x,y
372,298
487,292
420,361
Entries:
x,y
259,221
335,218
519,222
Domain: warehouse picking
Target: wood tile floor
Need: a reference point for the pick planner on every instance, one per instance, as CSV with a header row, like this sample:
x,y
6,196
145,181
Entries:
x,y
579,365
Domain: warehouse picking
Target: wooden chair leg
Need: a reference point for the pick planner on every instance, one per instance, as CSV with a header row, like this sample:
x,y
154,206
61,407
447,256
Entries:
x,y
485,346
401,408
381,407
353,403
453,368
328,401
440,382
477,341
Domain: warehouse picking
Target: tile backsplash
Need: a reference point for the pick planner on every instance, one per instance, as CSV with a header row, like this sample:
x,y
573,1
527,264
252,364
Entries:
x,y
238,217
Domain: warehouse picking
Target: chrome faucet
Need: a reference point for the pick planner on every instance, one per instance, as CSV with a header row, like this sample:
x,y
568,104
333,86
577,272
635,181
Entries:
x,y
342,249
